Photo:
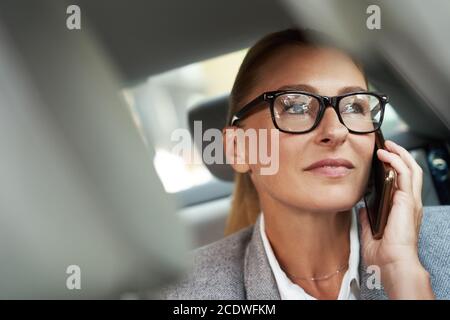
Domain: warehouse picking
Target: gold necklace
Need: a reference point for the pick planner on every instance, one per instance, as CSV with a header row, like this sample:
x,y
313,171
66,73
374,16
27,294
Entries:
x,y
324,277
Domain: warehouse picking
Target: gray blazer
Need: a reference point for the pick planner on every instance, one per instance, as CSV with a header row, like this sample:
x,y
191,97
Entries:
x,y
236,267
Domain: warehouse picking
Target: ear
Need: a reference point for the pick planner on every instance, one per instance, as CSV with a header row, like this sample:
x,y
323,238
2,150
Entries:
x,y
235,156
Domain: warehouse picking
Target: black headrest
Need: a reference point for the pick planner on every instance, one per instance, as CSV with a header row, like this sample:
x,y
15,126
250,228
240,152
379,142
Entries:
x,y
212,114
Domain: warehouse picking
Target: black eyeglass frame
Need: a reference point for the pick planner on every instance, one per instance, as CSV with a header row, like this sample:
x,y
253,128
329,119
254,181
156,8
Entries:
x,y
325,102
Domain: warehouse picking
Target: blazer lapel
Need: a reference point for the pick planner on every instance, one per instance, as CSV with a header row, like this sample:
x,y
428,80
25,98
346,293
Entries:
x,y
259,280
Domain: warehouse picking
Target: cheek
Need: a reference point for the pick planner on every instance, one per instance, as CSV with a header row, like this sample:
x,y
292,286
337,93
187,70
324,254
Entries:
x,y
367,167
365,149
286,158
290,155
279,152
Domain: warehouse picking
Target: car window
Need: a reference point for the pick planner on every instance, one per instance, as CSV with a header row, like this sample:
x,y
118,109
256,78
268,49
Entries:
x,y
159,107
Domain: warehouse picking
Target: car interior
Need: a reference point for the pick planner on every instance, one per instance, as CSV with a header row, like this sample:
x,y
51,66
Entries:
x,y
205,207
123,45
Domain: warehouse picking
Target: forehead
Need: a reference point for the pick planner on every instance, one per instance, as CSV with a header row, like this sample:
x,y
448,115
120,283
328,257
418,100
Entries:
x,y
327,70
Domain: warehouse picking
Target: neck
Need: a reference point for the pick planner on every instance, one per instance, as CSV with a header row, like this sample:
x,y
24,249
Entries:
x,y
308,243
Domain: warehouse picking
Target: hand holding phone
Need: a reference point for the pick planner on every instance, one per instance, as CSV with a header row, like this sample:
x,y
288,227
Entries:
x,y
394,249
380,190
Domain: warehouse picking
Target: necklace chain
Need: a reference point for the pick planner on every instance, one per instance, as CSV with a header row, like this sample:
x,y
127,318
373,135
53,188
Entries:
x,y
324,277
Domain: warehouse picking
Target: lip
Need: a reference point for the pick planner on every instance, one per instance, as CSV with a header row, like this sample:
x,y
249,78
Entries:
x,y
337,167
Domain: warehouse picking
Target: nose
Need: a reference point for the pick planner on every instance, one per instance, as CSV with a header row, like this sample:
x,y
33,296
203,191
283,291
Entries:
x,y
331,132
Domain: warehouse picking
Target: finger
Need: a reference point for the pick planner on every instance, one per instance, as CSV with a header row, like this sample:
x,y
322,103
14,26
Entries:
x,y
404,174
417,179
409,159
417,172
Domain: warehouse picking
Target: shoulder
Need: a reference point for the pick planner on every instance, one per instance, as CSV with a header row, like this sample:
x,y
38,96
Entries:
x,y
217,271
434,248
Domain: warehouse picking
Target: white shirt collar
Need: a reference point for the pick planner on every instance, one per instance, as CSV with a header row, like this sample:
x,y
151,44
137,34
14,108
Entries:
x,y
292,291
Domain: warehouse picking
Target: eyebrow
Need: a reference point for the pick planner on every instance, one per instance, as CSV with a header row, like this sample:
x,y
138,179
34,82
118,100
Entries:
x,y
300,87
351,89
311,89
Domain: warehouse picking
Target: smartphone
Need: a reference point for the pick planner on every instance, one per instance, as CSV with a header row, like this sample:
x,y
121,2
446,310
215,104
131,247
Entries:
x,y
380,190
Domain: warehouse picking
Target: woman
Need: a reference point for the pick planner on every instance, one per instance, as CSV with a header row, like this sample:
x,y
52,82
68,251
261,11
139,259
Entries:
x,y
294,234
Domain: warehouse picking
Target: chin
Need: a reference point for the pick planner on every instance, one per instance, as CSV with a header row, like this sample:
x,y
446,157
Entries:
x,y
348,188
330,200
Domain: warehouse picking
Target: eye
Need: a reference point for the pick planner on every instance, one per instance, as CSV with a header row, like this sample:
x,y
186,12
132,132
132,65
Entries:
x,y
297,108
354,108
296,105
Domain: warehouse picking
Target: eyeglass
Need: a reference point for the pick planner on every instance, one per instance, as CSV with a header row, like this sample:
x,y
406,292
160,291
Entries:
x,y
300,112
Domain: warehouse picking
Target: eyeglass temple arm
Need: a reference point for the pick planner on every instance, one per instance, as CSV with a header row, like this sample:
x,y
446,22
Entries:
x,y
241,113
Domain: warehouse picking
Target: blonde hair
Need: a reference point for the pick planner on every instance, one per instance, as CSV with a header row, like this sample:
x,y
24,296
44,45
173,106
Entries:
x,y
245,206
